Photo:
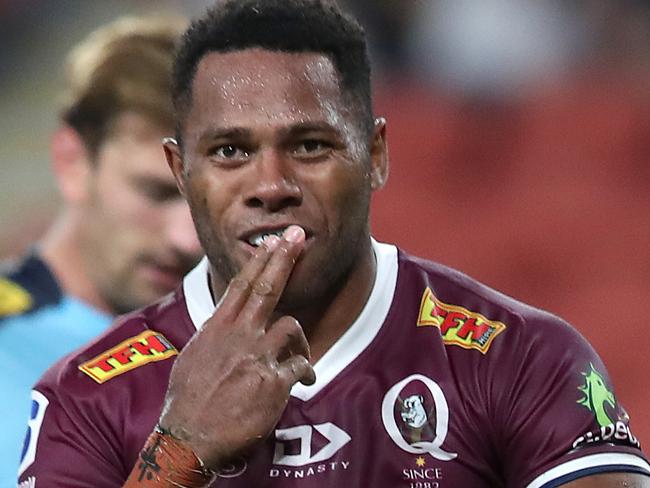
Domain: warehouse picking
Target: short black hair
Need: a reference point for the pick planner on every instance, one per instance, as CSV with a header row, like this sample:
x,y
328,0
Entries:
x,y
294,26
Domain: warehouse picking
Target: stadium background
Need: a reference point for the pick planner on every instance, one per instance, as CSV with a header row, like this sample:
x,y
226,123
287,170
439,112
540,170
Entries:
x,y
519,133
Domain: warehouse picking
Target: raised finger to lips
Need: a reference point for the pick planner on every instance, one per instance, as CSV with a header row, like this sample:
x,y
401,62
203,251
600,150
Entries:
x,y
240,286
269,285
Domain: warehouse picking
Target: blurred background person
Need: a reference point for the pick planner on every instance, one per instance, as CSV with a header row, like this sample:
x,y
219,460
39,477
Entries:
x,y
521,127
123,236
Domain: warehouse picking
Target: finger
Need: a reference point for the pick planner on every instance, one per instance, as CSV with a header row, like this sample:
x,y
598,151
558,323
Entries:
x,y
240,286
269,285
297,369
286,338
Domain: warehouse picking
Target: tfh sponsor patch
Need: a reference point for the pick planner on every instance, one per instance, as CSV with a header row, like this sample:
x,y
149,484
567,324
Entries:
x,y
132,353
458,326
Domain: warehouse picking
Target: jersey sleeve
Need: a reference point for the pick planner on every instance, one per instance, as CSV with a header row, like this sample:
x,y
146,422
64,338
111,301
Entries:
x,y
557,411
68,444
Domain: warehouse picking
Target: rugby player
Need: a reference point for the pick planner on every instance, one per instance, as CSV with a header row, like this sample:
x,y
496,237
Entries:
x,y
124,236
301,351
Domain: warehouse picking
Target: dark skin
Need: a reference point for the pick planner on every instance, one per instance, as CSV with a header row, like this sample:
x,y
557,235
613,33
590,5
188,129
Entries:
x,y
252,361
296,161
269,143
297,158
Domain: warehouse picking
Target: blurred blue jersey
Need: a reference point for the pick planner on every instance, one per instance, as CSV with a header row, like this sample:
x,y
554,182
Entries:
x,y
38,326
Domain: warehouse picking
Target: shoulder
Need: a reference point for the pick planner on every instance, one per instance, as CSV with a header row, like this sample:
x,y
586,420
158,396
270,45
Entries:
x,y
473,315
499,343
27,285
147,336
99,403
536,379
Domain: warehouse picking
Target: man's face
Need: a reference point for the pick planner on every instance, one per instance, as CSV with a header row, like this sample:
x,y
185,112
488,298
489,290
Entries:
x,y
137,234
269,142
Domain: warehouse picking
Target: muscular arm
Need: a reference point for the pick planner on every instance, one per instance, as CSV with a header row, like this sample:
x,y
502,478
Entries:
x,y
612,480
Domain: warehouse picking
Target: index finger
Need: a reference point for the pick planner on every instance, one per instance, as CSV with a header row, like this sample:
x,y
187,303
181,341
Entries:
x,y
240,286
269,285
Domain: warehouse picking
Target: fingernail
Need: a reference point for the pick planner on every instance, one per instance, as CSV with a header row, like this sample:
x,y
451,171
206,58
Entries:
x,y
294,233
271,242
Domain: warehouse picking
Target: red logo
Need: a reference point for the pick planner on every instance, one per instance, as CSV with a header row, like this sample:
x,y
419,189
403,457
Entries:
x,y
132,353
458,326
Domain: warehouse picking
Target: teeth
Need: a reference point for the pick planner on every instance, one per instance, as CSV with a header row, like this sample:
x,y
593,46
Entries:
x,y
257,239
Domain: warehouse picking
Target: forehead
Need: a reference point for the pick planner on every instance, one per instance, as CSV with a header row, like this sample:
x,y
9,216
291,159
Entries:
x,y
267,87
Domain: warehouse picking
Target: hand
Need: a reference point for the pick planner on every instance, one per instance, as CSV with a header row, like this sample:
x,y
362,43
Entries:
x,y
231,383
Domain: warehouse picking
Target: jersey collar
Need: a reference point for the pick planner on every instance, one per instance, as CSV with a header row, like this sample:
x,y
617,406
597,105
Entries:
x,y
361,333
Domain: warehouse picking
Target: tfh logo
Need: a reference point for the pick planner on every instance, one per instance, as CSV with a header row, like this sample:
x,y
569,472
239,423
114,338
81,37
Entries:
x,y
335,436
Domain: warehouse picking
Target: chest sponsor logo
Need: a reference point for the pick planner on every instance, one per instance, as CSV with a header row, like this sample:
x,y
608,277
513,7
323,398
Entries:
x,y
416,417
335,438
14,299
147,347
306,450
458,326
597,398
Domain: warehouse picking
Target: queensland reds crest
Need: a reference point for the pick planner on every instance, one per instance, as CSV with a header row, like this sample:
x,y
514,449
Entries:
x,y
416,416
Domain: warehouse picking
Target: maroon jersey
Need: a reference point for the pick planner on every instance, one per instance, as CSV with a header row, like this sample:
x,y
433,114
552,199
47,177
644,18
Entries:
x,y
440,382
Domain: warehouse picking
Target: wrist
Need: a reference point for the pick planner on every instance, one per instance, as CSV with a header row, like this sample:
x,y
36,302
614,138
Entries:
x,y
166,461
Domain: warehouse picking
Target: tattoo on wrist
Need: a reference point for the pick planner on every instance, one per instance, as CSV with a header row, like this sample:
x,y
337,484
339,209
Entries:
x,y
168,462
148,463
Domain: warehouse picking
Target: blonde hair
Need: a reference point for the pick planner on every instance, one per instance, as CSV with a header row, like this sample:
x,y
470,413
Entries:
x,y
123,66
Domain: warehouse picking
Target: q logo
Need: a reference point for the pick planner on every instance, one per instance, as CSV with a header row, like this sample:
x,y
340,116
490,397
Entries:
x,y
418,434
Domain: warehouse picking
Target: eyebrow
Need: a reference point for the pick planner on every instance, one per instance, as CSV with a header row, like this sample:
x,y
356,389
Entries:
x,y
303,127
211,134
298,128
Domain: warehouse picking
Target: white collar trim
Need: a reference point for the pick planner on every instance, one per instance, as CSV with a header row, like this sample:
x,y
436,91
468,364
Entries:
x,y
197,294
350,345
363,330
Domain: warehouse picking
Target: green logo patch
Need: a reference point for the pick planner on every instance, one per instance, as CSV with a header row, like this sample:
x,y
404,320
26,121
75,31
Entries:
x,y
596,395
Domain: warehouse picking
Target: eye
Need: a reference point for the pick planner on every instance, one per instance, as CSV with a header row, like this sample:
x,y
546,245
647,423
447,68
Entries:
x,y
312,148
229,152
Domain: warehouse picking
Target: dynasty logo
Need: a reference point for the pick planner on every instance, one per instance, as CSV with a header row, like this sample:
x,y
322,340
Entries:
x,y
458,326
132,353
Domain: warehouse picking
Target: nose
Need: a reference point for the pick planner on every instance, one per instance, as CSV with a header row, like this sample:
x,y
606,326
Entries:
x,y
180,231
274,186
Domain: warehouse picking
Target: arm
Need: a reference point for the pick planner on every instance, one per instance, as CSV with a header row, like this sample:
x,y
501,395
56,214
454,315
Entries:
x,y
231,383
564,423
612,480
